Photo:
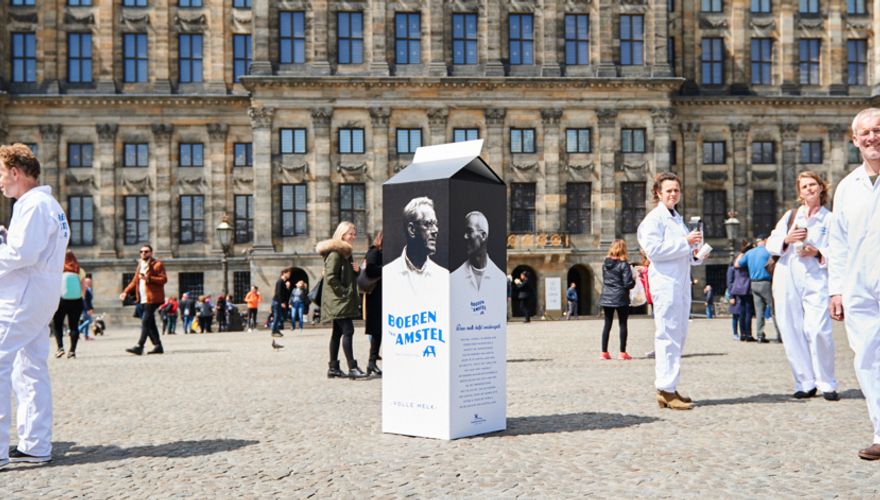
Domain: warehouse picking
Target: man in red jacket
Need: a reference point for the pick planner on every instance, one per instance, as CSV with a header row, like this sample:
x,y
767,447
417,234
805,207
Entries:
x,y
148,284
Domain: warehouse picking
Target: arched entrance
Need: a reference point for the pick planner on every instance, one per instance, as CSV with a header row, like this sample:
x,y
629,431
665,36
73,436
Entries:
x,y
298,274
531,302
582,277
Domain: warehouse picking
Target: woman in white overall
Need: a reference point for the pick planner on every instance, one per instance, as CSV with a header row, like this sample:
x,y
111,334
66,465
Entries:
x,y
800,289
670,246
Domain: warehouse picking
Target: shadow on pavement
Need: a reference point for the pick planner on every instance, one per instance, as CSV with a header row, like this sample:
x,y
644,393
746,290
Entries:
x,y
852,394
703,354
758,398
528,360
571,422
68,453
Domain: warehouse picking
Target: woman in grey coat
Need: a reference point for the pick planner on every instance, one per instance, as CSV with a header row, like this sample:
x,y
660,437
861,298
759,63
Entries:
x,y
617,281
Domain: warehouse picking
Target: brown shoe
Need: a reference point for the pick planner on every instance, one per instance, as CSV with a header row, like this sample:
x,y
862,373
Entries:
x,y
871,452
672,401
683,397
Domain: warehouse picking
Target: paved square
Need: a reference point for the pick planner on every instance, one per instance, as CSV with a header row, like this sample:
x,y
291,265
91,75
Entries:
x,y
222,415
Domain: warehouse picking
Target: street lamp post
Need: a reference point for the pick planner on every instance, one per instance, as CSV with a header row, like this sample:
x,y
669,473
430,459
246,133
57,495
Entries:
x,y
731,226
224,236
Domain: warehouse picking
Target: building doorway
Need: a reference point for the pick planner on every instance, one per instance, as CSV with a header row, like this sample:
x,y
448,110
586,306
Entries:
x,y
531,302
582,277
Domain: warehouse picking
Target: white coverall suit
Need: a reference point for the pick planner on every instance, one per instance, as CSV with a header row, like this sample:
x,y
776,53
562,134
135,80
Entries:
x,y
853,272
662,237
800,291
31,263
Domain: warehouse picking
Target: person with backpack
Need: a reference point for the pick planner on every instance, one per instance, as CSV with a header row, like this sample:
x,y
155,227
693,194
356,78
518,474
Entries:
x,y
617,281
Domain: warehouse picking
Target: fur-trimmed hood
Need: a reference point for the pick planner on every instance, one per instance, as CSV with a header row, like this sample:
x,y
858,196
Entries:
x,y
327,246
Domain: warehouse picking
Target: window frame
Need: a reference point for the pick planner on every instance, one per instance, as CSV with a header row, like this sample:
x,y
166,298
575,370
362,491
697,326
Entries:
x,y
632,140
78,224
714,216
141,227
196,233
712,67
358,216
352,132
135,67
466,132
243,226
634,206
82,147
857,68
294,190
291,42
355,43
248,152
523,213
811,152
297,147
761,7
193,147
524,135
809,7
578,134
192,62
809,69
241,62
520,45
79,61
411,44
464,42
762,47
763,155
856,8
763,222
716,154
634,43
578,207
712,6
577,44
27,58
141,152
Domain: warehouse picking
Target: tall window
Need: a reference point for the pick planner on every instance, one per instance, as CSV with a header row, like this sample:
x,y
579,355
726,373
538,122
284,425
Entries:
x,y
673,153
578,207
464,39
79,57
192,218
241,56
633,206
632,40
762,61
522,207
79,3
135,154
192,154
351,140
577,39
521,38
670,51
808,56
21,3
350,37
134,3
714,213
241,4
189,58
24,57
763,152
292,37
294,217
191,283
353,204
712,61
79,155
81,214
241,285
713,152
242,154
811,151
632,140
522,140
408,140
577,140
809,7
137,219
856,7
293,140
407,38
465,134
134,53
711,5
762,6
763,212
189,3
856,61
244,218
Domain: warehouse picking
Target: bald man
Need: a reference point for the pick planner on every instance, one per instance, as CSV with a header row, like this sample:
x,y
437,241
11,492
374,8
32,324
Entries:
x,y
478,285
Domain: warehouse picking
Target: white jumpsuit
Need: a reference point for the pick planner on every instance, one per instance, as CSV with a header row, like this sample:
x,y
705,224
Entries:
x,y
800,293
662,237
30,287
852,273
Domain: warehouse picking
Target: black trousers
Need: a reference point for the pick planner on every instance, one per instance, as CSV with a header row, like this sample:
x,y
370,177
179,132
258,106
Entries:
x,y
252,317
375,345
622,315
148,326
72,310
343,329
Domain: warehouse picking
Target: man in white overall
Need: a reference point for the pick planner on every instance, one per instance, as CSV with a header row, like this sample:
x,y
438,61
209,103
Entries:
x,y
31,263
852,276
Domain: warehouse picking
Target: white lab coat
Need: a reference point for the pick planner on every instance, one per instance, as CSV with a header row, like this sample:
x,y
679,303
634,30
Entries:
x,y
852,273
800,293
31,264
662,236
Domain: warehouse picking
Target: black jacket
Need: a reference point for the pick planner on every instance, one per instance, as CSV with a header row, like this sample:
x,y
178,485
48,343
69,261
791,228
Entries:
x,y
617,281
282,293
374,299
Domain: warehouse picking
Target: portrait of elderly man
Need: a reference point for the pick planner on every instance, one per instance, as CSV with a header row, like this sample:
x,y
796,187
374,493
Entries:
x,y
478,285
414,271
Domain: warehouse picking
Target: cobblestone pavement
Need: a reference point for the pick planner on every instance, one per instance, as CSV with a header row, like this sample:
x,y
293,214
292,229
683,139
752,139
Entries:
x,y
223,415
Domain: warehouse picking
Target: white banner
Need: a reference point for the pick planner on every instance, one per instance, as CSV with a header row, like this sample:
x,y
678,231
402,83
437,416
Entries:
x,y
553,294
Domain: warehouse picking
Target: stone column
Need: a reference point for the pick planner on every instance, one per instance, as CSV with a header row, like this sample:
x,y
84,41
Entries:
x,y
608,188
50,136
218,195
379,61
435,60
838,140
551,38
103,44
261,65
688,56
789,161
788,55
162,133
606,68
215,48
739,44
49,40
661,118
550,211
661,39
323,195
105,200
691,159
261,124
320,37
491,26
437,118
836,50
740,134
159,67
494,145
379,119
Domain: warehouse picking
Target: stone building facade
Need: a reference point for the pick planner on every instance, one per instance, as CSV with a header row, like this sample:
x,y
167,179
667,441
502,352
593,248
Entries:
x,y
153,119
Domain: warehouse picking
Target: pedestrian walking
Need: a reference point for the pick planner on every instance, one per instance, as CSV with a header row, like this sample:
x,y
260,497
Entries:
x,y
280,299
31,267
171,307
187,307
222,313
666,241
70,306
524,295
339,299
373,302
88,315
755,260
800,289
571,295
252,299
148,285
709,298
740,293
617,281
205,311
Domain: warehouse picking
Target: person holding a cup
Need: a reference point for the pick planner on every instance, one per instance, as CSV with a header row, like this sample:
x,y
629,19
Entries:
x,y
671,247
800,289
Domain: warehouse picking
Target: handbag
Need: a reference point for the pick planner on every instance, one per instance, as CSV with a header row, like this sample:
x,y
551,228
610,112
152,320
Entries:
x,y
770,266
316,291
637,295
366,283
